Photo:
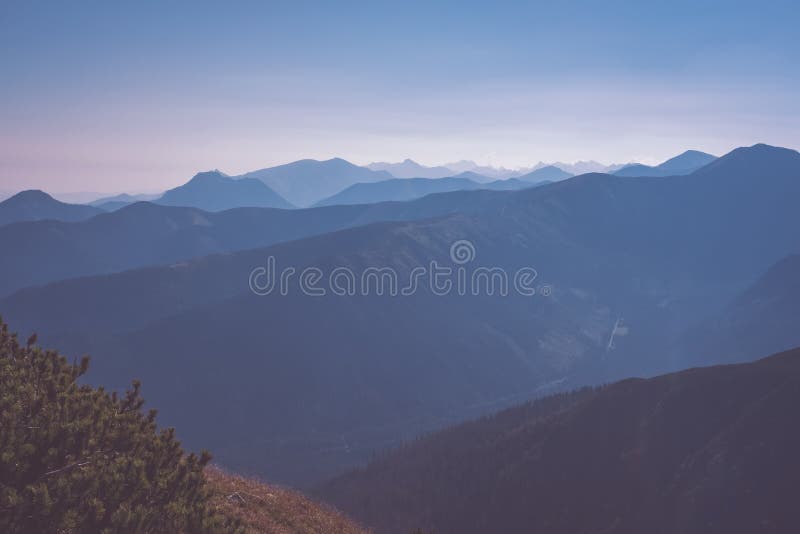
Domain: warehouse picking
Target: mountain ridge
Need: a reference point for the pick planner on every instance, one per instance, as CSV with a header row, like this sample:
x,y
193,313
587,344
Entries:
x,y
144,233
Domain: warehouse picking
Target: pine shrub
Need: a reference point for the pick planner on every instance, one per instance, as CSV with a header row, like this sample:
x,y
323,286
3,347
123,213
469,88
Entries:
x,y
74,458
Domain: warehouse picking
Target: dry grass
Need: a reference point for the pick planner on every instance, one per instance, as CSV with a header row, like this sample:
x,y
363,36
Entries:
x,y
270,509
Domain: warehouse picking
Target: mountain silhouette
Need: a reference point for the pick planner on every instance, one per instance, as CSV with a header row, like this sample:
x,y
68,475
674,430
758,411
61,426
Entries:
x,y
213,191
35,205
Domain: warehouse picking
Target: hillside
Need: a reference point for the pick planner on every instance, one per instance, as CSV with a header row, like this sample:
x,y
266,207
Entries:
x,y
214,191
37,205
262,508
327,379
709,450
306,182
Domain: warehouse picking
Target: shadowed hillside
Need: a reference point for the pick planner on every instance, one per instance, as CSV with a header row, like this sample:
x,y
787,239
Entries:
x,y
709,450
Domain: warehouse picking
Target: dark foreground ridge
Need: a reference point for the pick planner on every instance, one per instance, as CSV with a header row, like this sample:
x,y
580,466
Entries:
x,y
704,450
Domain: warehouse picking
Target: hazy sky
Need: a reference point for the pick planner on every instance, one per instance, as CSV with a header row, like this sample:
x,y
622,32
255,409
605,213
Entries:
x,y
95,96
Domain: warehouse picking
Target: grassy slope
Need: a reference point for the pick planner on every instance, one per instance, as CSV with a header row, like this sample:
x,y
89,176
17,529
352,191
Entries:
x,y
263,508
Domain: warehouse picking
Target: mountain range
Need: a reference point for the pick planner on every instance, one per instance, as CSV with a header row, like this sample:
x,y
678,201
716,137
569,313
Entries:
x,y
399,189
410,188
491,172
308,182
312,182
149,234
708,450
411,169
582,167
315,384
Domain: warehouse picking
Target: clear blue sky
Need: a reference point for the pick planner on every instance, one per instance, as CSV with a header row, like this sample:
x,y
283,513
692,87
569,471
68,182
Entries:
x,y
96,96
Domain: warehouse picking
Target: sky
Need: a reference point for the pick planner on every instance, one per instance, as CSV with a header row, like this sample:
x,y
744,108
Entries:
x,y
139,96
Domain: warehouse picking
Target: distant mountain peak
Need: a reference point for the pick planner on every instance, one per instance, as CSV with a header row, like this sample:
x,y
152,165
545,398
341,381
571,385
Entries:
x,y
763,148
686,162
546,173
215,175
31,194
216,191
35,204
339,161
